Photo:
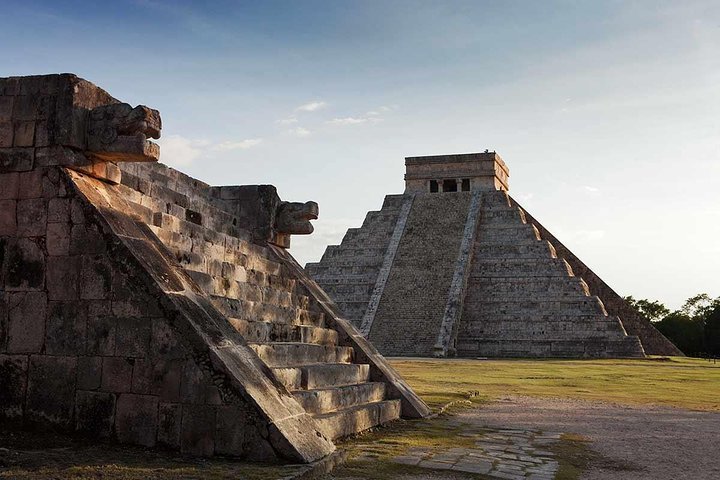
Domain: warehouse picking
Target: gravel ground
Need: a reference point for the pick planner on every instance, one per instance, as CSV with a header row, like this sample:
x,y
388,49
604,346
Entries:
x,y
637,442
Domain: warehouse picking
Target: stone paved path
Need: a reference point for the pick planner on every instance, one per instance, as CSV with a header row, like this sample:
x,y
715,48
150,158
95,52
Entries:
x,y
512,454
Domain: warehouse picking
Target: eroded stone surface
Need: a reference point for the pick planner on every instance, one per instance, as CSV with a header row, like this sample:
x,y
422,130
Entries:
x,y
512,454
144,306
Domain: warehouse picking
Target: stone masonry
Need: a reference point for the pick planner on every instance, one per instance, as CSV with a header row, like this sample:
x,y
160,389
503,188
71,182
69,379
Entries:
x,y
470,273
143,306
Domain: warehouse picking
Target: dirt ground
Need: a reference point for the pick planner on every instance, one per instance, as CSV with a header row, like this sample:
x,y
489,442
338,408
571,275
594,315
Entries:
x,y
633,442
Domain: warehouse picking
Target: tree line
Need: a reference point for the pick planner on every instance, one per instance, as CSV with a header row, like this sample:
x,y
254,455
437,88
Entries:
x,y
694,328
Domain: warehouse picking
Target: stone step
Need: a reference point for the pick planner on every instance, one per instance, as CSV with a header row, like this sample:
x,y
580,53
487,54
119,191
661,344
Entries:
x,y
537,249
263,312
578,305
351,421
324,400
560,348
500,288
284,354
490,328
547,267
308,377
263,332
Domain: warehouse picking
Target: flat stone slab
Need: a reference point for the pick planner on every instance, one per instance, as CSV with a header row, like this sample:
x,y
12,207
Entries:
x,y
504,454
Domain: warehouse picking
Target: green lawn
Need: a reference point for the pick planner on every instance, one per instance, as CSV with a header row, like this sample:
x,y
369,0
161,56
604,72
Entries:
x,y
680,382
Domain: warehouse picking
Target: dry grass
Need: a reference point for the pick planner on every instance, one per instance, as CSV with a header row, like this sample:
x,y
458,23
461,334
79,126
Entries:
x,y
678,382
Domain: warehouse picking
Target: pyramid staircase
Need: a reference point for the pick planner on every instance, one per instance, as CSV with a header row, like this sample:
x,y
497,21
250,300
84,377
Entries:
x,y
518,284
273,311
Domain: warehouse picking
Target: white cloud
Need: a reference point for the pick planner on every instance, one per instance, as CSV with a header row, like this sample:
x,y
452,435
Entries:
x,y
287,121
524,197
353,120
311,107
180,151
299,132
589,189
241,145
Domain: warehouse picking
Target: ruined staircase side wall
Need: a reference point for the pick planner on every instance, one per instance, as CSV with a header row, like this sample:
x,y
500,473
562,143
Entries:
x,y
248,282
213,248
290,432
416,293
349,272
653,342
524,301
87,343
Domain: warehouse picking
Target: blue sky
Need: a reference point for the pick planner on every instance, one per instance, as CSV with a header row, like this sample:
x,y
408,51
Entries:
x,y
607,112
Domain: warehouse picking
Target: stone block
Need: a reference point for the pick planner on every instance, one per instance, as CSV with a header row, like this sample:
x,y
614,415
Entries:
x,y
85,239
57,239
24,266
9,183
26,107
13,378
3,317
30,184
164,340
95,277
117,374
42,134
8,217
169,423
6,107
133,337
51,390
89,373
16,159
101,334
26,322
31,217
63,275
94,413
230,430
24,134
198,430
137,419
58,210
65,329
6,134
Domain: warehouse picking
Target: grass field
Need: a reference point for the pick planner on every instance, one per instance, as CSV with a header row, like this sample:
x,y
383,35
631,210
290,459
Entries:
x,y
679,382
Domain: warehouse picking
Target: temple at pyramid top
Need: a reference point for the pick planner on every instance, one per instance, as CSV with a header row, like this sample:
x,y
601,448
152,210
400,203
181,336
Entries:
x,y
465,172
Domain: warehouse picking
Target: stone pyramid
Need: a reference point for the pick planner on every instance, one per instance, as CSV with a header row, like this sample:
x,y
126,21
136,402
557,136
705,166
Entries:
x,y
141,305
455,266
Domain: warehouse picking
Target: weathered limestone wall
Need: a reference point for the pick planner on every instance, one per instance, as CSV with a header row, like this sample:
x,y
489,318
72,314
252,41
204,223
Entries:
x,y
138,304
213,246
522,300
416,293
87,347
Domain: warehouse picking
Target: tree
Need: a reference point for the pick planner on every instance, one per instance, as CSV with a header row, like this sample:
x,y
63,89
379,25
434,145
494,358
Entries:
x,y
653,310
685,332
699,306
712,332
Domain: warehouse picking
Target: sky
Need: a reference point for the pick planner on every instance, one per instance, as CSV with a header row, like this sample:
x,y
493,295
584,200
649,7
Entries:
x,y
606,112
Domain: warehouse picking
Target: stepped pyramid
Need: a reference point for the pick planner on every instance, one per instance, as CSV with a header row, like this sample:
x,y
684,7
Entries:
x,y
454,266
141,305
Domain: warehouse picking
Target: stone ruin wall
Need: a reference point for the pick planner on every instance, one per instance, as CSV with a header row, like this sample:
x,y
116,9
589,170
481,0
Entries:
x,y
127,292
85,344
